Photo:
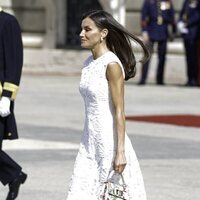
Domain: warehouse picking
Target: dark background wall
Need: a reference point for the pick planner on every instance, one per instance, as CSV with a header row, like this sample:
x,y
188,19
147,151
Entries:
x,y
75,9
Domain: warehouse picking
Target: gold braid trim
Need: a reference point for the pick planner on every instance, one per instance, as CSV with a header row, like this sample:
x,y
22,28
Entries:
x,y
1,89
12,88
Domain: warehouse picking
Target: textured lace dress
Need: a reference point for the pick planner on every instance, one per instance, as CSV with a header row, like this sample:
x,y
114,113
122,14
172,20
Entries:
x,y
97,147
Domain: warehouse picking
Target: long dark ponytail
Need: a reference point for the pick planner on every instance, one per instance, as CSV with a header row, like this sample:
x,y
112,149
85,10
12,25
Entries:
x,y
118,40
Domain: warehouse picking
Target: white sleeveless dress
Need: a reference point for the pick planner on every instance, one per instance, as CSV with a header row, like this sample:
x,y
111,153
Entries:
x,y
97,147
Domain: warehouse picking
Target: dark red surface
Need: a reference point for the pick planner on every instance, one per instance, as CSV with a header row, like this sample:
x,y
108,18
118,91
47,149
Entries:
x,y
180,120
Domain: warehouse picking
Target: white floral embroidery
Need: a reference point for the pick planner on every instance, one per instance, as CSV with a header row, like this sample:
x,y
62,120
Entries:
x,y
97,147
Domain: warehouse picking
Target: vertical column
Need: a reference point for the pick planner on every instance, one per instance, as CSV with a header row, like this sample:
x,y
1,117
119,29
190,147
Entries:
x,y
50,36
61,22
116,8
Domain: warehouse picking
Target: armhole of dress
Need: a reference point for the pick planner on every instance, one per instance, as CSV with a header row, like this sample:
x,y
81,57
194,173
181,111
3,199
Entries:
x,y
119,63
122,68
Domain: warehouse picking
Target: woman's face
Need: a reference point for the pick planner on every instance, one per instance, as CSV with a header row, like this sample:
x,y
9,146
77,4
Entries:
x,y
90,35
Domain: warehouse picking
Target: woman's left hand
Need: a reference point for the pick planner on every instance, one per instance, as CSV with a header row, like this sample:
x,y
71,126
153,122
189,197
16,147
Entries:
x,y
119,162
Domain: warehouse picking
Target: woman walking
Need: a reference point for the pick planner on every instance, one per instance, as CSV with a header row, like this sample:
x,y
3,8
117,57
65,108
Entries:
x,y
105,145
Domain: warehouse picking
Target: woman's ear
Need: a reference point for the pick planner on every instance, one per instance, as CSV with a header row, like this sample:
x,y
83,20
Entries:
x,y
104,33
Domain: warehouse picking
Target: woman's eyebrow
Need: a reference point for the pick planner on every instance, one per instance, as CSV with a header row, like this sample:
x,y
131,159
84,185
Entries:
x,y
87,26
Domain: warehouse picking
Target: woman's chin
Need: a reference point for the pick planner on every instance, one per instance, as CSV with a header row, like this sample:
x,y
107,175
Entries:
x,y
84,46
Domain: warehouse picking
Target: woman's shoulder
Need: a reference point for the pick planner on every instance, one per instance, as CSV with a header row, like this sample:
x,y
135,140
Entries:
x,y
111,54
112,57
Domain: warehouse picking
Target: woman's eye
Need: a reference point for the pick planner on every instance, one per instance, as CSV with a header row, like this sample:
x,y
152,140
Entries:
x,y
87,29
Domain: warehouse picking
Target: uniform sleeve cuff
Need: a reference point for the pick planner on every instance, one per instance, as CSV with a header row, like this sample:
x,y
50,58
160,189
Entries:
x,y
10,90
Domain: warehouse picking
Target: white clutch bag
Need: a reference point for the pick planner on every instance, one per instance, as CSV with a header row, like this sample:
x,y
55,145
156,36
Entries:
x,y
113,189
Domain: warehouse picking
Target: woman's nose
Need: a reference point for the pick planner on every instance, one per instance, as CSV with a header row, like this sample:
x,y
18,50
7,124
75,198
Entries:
x,y
81,33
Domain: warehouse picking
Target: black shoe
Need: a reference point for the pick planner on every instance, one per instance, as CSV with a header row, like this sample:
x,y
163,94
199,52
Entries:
x,y
191,83
141,83
15,185
160,82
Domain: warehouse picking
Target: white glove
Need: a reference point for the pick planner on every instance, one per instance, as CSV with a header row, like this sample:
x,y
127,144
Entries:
x,y
182,28
4,106
145,36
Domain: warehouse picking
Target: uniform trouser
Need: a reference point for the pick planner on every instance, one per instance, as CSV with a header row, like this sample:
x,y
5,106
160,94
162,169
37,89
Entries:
x,y
198,57
191,59
162,47
9,169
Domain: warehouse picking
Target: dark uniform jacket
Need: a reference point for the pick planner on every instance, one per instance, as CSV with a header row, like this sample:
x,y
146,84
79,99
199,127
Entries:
x,y
11,60
155,18
190,15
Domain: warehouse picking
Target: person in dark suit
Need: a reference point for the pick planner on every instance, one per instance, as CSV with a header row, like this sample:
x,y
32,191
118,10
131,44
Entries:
x,y
11,61
188,27
156,16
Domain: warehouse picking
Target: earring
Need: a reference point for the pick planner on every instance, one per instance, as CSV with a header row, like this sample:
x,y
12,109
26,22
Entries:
x,y
101,39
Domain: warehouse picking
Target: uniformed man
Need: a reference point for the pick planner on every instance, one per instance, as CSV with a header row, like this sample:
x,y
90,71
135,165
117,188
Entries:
x,y
156,16
11,60
198,55
188,26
